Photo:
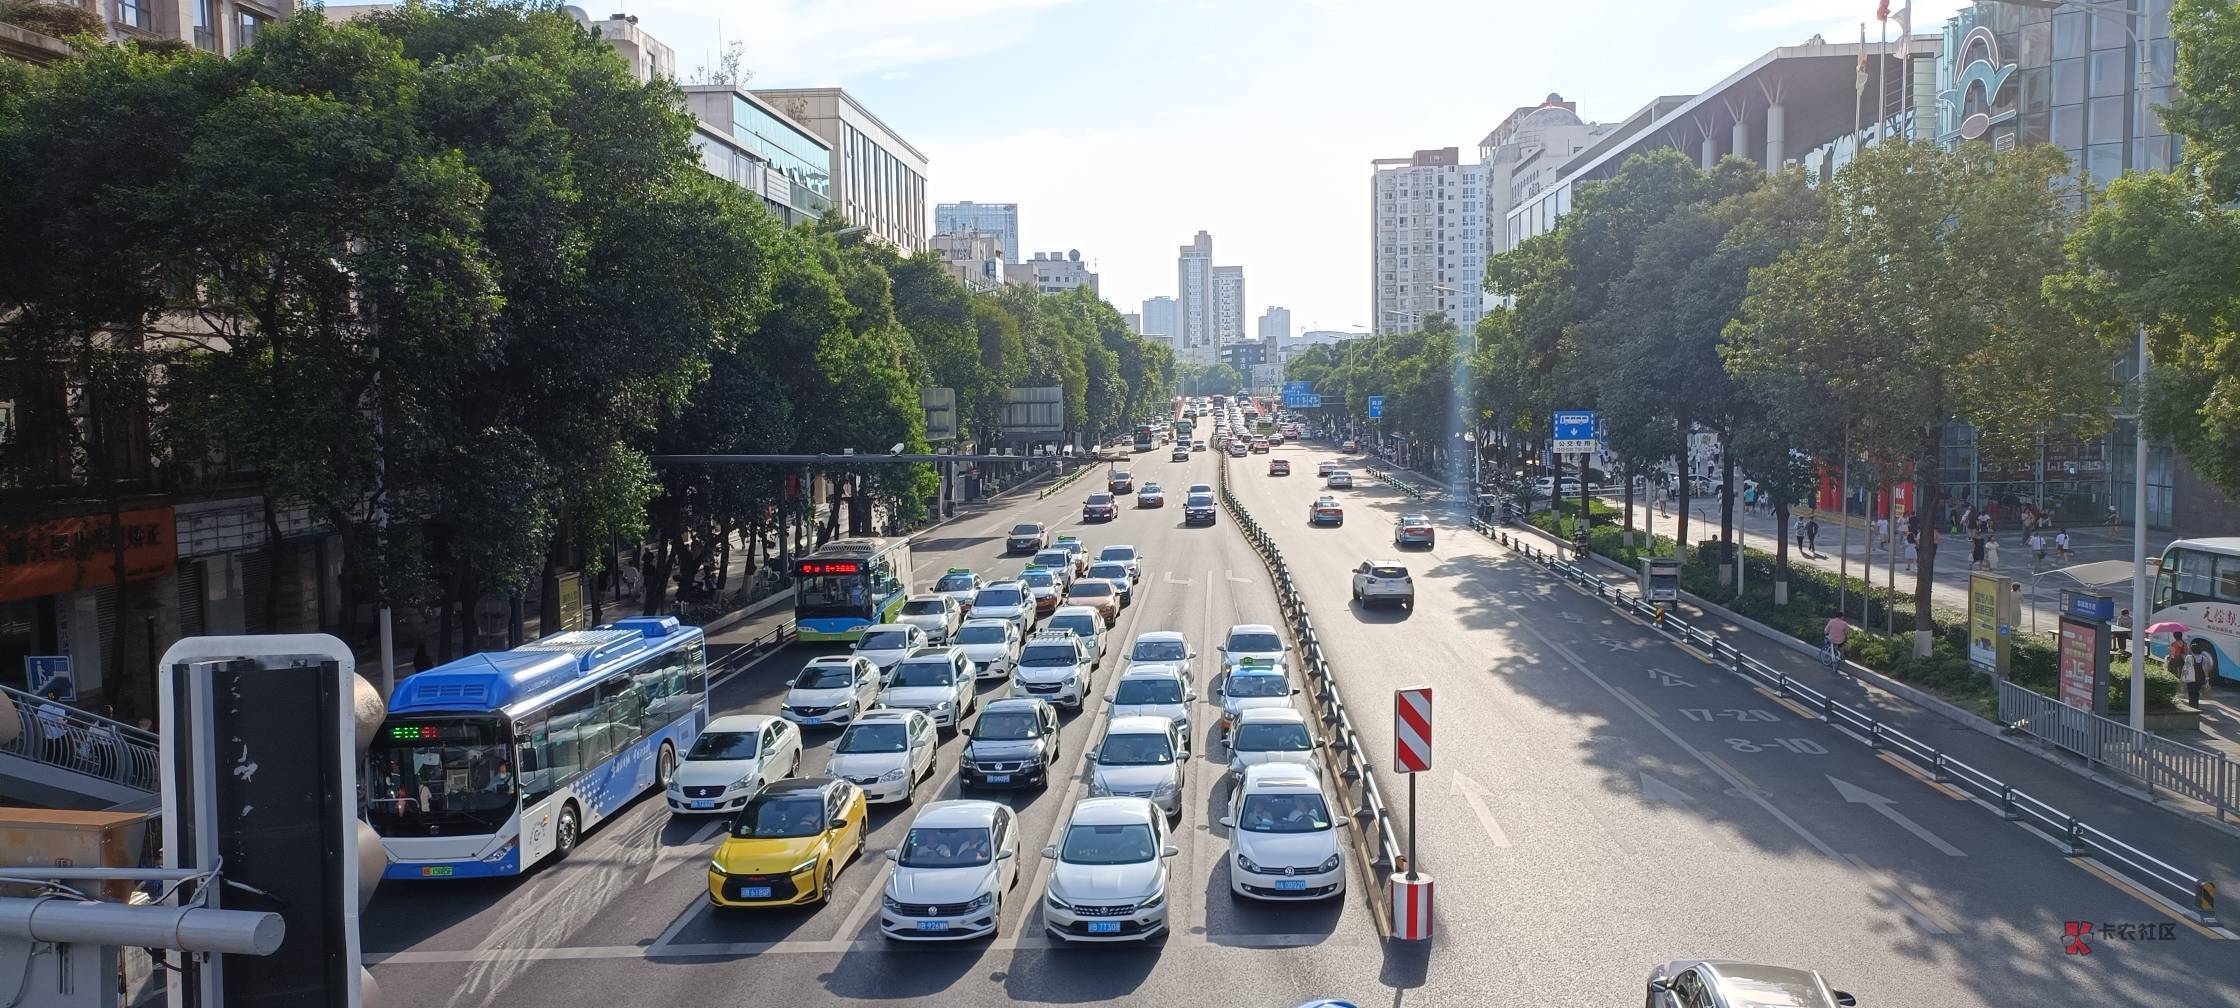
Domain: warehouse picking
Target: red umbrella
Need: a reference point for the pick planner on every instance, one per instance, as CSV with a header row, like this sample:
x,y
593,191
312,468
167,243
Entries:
x,y
2169,626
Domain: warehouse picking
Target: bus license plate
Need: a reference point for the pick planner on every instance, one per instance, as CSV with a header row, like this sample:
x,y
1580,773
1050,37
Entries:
x,y
933,925
999,778
436,871
1291,884
1104,927
704,803
754,892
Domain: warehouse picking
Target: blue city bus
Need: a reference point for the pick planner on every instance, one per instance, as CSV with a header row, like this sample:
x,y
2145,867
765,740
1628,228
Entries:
x,y
849,584
491,763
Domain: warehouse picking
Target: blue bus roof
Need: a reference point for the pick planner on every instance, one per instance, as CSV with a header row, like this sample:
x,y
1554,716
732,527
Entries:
x,y
494,680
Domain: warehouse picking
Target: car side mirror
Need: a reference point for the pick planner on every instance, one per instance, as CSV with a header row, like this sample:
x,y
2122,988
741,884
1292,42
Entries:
x,y
1108,697
838,823
1660,985
1050,852
1189,655
1228,822
1091,755
1294,691
1320,742
1223,648
1001,855
893,854
1169,850
1845,999
964,733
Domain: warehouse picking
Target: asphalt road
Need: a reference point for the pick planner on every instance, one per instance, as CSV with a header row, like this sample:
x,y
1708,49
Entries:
x,y
1602,801
624,919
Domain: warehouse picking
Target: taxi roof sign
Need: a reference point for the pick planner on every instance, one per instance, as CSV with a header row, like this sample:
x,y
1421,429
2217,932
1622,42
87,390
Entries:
x,y
1256,662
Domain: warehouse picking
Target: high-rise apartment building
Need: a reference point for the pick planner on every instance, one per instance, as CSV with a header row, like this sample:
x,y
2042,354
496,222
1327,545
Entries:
x,y
1428,233
1158,316
1275,325
999,219
1134,321
1194,318
975,258
881,179
1228,304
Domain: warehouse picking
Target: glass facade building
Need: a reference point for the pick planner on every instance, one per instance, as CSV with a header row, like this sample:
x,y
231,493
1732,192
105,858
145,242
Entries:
x,y
804,162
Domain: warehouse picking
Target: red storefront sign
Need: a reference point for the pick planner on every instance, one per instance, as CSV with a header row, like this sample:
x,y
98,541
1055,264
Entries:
x,y
79,552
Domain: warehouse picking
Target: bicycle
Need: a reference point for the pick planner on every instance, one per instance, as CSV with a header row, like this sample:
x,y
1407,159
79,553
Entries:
x,y
1830,655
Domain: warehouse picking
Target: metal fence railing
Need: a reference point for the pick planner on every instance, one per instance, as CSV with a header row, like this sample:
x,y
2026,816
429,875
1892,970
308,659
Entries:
x,y
2078,838
54,733
1353,765
2155,763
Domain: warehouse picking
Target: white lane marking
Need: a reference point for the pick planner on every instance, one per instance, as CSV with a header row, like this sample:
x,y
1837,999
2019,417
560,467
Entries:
x,y
667,858
1171,579
1234,579
1903,900
1476,794
1857,795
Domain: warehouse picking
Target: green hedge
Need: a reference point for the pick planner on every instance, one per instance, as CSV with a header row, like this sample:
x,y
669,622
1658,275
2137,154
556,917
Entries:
x,y
1813,594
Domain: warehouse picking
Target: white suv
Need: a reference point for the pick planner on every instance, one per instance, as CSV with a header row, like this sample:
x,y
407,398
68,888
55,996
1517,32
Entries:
x,y
937,615
1284,837
1378,581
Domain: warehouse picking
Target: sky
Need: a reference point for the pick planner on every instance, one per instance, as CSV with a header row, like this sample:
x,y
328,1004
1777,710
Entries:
x,y
1124,127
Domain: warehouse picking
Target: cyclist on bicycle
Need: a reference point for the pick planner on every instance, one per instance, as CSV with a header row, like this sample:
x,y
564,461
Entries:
x,y
1831,642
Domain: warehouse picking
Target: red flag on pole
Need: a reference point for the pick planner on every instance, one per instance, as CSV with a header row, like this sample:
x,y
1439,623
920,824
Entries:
x,y
1882,10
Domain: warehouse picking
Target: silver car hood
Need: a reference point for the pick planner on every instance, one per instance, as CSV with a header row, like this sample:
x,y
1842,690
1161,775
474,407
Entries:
x,y
986,652
800,697
865,764
713,773
1134,778
1046,675
1108,883
1178,713
1286,850
917,696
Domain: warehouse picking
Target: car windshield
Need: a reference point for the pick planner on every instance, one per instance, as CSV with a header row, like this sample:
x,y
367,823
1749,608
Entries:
x,y
1049,656
1160,651
1414,520
1279,737
924,673
1160,690
724,745
1393,571
1039,579
953,582
1135,750
946,847
1284,813
1119,554
793,814
1008,726
879,737
1123,843
1100,498
1026,530
1259,685
1200,500
996,598
883,640
923,607
822,677
1084,627
1053,558
1091,589
1254,643
981,635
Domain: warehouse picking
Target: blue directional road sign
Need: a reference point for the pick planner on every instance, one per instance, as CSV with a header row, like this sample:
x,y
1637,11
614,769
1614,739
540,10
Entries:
x,y
1376,407
1574,433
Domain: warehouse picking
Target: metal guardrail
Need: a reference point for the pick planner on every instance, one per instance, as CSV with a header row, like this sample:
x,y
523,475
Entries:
x,y
2156,763
54,733
1087,463
2077,837
1353,760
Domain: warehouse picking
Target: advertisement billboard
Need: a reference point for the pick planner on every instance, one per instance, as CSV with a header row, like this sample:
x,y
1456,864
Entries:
x,y
2083,663
1987,634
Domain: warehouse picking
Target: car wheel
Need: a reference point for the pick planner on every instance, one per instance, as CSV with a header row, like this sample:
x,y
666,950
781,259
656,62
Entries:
x,y
824,889
1357,594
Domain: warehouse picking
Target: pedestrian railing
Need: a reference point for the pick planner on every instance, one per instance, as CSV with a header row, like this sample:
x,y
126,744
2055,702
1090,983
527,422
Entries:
x,y
1066,480
2077,837
2157,764
81,741
1352,758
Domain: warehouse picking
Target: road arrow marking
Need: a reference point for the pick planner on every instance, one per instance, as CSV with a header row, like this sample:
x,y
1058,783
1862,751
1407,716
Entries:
x,y
1173,580
1235,579
1857,795
1476,794
1665,678
1572,617
1656,790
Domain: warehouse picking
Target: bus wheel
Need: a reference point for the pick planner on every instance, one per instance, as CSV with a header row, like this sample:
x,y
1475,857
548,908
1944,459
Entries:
x,y
665,767
564,834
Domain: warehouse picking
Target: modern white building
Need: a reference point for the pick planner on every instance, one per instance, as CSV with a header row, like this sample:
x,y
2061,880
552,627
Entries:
x,y
1275,325
975,258
1193,315
1053,272
999,219
1428,232
881,179
743,139
1292,346
1158,316
1228,304
1525,156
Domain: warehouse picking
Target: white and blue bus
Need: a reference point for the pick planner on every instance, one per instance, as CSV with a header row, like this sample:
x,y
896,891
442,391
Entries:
x,y
849,584
2198,584
489,764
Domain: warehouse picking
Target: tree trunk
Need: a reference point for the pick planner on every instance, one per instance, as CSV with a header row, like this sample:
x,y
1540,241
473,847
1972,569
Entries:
x,y
1726,512
1628,478
549,617
1780,552
273,550
1685,468
1926,497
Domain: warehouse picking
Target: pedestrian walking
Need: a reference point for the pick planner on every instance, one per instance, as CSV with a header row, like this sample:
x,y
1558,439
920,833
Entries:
x,y
1796,528
54,719
1812,536
1913,549
2181,664
1979,546
2061,546
107,744
2037,550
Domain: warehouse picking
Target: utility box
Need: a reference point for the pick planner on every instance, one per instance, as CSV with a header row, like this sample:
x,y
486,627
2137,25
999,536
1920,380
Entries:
x,y
70,838
1660,579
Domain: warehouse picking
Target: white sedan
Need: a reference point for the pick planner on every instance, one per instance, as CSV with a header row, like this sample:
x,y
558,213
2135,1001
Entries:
x,y
1283,839
733,758
886,753
951,872
831,690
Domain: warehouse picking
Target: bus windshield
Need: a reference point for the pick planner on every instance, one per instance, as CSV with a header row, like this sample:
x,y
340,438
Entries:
x,y
832,595
447,777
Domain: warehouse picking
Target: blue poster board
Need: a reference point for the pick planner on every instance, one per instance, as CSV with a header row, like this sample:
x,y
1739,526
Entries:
x,y
42,671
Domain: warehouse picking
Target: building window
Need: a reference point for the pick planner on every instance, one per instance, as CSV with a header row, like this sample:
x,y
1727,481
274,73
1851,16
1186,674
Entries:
x,y
248,24
205,24
135,14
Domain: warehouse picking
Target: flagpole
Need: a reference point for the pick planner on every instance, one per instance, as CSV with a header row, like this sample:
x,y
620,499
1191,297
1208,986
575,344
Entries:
x,y
1859,90
1882,87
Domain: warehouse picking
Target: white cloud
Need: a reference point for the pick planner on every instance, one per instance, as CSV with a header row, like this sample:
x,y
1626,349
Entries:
x,y
797,42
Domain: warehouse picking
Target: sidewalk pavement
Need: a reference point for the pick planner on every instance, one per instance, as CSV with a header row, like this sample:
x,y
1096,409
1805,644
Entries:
x,y
2220,723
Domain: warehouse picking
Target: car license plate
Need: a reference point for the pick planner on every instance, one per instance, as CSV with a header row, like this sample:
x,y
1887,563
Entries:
x,y
1290,884
933,925
704,803
436,871
754,892
1104,927
999,778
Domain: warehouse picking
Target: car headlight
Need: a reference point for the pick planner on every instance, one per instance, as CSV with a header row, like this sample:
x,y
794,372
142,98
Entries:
x,y
1246,864
744,781
1153,901
1330,864
980,902
1055,903
943,705
805,866
891,903
894,774
1165,787
1097,788
716,865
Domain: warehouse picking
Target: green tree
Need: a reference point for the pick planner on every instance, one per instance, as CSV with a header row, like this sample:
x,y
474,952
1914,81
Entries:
x,y
2205,107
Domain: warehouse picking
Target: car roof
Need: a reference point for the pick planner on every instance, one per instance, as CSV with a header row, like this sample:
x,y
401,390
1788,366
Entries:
x,y
1010,583
1280,775
882,715
1386,562
1250,628
933,651
1076,610
834,659
987,621
1139,724
927,598
740,723
1013,703
890,626
795,785
1114,546
1154,670
1092,582
1161,635
1111,812
956,812
1287,714
1782,979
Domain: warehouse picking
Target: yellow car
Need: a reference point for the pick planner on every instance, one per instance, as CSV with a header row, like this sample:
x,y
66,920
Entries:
x,y
787,844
